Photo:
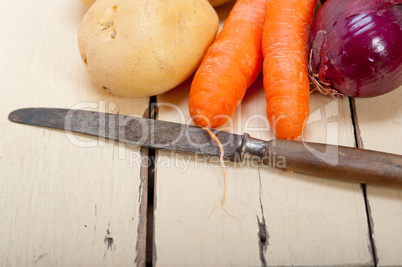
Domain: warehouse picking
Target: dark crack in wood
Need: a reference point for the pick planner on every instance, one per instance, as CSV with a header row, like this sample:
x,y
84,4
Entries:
x,y
108,240
263,236
150,240
359,144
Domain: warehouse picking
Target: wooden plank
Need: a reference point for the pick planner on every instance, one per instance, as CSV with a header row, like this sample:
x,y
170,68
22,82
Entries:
x,y
270,217
380,128
65,200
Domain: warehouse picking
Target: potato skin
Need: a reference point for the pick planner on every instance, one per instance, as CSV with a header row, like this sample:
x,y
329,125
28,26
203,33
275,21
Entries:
x,y
142,48
214,3
88,3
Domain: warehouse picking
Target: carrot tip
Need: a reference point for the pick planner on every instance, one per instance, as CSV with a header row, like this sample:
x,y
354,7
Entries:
x,y
204,119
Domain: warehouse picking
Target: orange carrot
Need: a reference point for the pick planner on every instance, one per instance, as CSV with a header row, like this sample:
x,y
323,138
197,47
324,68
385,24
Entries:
x,y
229,66
285,76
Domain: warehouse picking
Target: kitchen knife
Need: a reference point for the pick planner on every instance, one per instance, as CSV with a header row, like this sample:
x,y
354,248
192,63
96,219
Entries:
x,y
323,160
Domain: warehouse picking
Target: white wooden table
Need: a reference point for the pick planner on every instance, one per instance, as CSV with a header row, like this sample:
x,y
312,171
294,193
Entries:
x,y
73,200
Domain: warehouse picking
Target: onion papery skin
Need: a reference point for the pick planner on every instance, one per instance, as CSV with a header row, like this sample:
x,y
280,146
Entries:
x,y
356,47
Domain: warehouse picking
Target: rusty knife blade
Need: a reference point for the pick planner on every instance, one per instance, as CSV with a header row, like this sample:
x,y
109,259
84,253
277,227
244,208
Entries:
x,y
324,160
129,129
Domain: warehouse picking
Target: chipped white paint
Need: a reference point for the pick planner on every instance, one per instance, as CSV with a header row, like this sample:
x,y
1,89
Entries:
x,y
64,200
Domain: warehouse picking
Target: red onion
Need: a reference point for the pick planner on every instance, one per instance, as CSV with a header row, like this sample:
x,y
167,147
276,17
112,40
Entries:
x,y
356,47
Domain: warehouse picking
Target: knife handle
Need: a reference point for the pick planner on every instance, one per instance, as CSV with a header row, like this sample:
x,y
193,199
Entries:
x,y
329,161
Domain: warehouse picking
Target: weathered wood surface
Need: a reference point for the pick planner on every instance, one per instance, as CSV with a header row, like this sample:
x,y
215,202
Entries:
x,y
269,217
65,200
379,123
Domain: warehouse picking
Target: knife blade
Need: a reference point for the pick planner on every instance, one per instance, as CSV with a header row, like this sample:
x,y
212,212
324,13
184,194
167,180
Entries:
x,y
323,160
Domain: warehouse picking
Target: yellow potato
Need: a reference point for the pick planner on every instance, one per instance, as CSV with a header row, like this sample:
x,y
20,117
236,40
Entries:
x,y
88,3
142,48
214,3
